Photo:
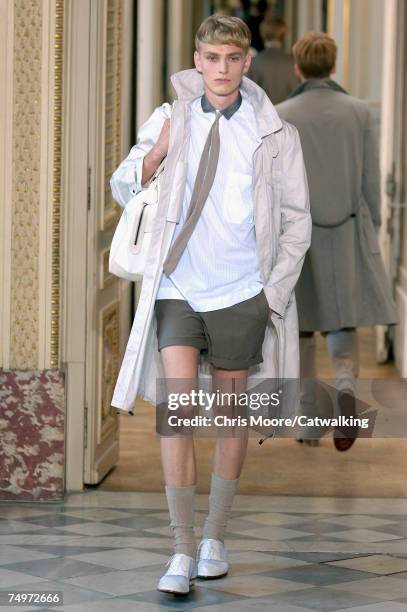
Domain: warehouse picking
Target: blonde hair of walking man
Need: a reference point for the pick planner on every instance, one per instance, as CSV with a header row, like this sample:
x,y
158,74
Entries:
x,y
232,229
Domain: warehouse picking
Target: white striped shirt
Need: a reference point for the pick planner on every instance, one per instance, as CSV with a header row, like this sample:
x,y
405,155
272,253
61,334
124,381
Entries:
x,y
219,266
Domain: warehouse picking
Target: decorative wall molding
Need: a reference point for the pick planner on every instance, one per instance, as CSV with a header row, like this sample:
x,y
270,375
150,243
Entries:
x,y
26,176
6,150
31,75
56,186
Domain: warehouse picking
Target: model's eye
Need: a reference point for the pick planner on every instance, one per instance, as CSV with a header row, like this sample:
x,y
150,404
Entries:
x,y
211,58
235,58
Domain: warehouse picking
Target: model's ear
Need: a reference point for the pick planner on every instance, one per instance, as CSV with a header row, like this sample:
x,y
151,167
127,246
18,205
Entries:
x,y
247,63
298,73
197,61
333,69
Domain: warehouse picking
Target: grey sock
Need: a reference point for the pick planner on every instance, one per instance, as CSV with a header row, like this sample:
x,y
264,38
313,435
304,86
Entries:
x,y
220,503
181,505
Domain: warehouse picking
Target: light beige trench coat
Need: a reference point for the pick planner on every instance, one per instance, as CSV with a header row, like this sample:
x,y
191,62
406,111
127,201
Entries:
x,y
283,234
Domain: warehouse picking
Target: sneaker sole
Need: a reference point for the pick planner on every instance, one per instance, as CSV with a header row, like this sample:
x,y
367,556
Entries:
x,y
191,584
212,577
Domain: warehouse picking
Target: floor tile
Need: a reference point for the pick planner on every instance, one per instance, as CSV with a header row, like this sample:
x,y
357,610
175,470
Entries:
x,y
96,529
377,564
252,605
386,606
358,521
323,599
60,551
139,522
97,514
381,587
254,586
12,526
318,575
275,518
198,596
251,563
364,535
314,557
17,511
15,554
9,578
56,568
122,559
53,520
120,582
275,533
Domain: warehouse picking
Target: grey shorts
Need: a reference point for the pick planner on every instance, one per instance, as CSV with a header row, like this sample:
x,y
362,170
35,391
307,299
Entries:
x,y
231,337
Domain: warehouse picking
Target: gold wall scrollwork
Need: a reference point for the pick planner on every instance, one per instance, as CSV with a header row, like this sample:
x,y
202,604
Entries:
x,y
56,185
26,165
109,360
112,106
36,152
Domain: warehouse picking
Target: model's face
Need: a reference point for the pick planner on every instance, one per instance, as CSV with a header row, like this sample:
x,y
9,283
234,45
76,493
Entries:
x,y
222,67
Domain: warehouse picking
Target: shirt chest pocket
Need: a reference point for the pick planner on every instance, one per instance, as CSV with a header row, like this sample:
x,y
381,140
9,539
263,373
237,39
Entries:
x,y
237,205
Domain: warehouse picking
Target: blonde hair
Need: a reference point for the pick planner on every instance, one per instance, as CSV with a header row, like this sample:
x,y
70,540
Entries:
x,y
223,30
315,54
273,29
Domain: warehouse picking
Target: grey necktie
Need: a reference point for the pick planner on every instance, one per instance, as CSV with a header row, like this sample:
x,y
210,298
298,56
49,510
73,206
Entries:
x,y
203,183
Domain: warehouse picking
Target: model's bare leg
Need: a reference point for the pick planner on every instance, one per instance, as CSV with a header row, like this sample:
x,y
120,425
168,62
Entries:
x,y
230,449
177,452
229,457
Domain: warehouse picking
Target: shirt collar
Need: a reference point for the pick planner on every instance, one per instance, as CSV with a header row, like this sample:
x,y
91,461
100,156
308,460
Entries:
x,y
226,112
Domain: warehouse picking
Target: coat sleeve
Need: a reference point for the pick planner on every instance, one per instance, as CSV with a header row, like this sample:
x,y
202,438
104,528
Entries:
x,y
371,170
296,225
126,179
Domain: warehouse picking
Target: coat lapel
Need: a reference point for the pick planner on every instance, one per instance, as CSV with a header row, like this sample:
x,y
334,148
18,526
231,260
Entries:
x,y
189,84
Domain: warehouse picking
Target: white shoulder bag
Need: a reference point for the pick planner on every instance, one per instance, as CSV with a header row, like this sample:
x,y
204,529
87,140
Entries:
x,y
131,240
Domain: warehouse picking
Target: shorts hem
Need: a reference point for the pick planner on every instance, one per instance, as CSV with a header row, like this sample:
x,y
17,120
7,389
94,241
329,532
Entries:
x,y
235,364
198,344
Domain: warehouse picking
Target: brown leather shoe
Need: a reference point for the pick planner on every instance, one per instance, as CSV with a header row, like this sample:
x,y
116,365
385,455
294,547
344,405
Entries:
x,y
344,437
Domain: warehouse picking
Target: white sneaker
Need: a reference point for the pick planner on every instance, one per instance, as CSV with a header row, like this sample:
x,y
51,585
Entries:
x,y
212,559
179,575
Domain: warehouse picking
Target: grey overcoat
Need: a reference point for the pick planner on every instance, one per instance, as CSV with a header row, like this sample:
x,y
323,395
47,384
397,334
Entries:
x,y
272,69
343,282
283,232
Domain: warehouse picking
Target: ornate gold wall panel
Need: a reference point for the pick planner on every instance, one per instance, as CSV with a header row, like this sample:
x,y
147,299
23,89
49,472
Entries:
x,y
26,183
112,105
36,165
56,185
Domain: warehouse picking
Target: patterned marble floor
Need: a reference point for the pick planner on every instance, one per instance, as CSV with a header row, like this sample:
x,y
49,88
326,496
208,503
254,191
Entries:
x,y
107,550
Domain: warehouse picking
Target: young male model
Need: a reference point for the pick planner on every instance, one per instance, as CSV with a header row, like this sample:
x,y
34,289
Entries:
x,y
231,232
343,284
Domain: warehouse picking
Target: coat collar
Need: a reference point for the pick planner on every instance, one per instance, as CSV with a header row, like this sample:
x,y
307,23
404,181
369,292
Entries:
x,y
309,84
188,85
226,112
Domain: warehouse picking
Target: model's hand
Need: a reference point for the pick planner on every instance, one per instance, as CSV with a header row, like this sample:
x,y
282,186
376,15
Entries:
x,y
154,157
161,146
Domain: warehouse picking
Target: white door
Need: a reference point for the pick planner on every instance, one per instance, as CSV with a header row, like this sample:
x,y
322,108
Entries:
x,y
392,159
108,299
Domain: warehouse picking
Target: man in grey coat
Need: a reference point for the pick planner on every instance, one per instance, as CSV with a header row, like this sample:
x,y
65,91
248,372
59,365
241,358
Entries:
x,y
343,284
272,69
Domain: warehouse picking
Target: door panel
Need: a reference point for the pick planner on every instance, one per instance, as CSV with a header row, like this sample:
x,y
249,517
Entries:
x,y
108,297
